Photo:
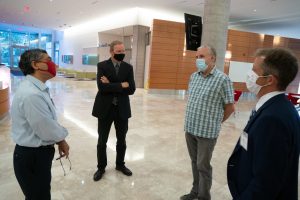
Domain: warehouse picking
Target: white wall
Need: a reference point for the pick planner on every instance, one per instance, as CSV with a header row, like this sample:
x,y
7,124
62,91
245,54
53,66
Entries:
x,y
86,35
75,45
238,71
104,41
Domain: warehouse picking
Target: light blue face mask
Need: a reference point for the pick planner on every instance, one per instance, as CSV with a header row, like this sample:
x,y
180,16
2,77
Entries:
x,y
201,65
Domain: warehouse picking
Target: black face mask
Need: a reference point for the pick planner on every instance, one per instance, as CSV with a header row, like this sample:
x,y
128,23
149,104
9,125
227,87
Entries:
x,y
119,57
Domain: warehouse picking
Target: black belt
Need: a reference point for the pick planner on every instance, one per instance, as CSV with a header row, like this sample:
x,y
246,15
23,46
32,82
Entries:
x,y
40,147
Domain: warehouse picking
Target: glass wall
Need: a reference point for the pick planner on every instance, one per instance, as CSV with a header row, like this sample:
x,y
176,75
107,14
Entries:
x,y
4,48
34,41
19,39
46,43
13,44
56,53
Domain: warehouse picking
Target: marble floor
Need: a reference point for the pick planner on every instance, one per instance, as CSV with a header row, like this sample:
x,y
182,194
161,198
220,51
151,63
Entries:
x,y
156,154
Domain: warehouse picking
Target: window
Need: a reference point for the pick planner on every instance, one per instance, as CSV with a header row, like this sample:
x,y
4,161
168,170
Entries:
x,y
46,43
4,48
33,40
20,39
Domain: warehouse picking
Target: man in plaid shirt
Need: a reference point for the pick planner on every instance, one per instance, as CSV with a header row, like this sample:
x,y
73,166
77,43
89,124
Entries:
x,y
210,102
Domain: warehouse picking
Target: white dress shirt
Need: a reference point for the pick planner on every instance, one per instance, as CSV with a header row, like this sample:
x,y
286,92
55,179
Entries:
x,y
262,100
34,121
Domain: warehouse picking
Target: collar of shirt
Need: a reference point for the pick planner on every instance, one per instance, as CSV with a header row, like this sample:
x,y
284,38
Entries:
x,y
115,63
39,84
265,98
210,73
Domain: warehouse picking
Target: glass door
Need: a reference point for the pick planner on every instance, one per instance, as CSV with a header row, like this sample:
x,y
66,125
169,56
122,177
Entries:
x,y
15,54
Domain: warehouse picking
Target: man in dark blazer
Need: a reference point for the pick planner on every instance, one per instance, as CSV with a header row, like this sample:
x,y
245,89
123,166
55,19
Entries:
x,y
264,163
115,82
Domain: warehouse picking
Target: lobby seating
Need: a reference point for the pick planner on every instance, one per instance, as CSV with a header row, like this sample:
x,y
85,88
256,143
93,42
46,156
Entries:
x,y
78,75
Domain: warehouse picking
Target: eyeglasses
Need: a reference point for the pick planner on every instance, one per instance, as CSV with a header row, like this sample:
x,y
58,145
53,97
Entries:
x,y
59,158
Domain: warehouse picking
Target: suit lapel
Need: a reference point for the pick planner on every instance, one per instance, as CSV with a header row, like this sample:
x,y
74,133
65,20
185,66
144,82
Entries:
x,y
257,114
263,107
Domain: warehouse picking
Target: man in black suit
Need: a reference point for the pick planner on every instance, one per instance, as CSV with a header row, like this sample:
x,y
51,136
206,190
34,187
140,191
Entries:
x,y
264,163
115,82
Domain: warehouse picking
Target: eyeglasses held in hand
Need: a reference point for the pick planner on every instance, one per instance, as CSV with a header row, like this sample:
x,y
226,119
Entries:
x,y
59,158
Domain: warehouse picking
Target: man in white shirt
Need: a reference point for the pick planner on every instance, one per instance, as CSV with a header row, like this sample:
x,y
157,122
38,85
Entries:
x,y
35,129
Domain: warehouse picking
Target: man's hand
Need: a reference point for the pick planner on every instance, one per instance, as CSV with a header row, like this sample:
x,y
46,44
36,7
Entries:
x,y
63,148
125,84
103,79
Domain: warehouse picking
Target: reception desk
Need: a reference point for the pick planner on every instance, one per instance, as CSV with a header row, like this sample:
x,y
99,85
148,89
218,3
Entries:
x,y
4,90
4,102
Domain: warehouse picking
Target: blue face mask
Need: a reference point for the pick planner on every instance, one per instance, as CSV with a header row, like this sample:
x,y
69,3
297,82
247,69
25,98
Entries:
x,y
201,65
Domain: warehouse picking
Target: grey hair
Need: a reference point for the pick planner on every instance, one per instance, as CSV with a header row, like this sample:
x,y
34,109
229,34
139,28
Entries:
x,y
27,57
212,50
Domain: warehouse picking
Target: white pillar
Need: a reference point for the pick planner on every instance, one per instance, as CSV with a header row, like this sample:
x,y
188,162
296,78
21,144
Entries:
x,y
215,27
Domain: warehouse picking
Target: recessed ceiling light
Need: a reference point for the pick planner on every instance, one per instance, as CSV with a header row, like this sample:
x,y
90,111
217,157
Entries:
x,y
254,10
26,8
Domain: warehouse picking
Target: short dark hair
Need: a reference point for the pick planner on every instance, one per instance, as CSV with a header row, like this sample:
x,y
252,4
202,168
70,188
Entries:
x,y
281,63
113,44
27,57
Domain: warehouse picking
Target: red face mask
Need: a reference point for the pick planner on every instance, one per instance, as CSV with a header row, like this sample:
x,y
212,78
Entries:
x,y
51,68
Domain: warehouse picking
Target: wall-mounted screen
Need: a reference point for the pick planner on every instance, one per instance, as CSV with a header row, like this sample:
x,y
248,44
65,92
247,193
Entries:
x,y
68,59
90,59
193,31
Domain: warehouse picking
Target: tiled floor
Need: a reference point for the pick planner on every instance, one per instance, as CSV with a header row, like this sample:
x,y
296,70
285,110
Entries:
x,y
156,154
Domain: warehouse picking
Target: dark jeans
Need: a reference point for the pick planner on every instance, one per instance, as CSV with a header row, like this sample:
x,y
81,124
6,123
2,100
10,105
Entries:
x,y
33,171
104,125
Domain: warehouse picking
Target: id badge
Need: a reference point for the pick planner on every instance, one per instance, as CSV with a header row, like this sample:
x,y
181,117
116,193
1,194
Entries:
x,y
244,140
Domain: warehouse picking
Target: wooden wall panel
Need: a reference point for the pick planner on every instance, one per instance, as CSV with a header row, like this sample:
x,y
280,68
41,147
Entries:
x,y
240,86
171,66
294,44
166,53
268,41
4,102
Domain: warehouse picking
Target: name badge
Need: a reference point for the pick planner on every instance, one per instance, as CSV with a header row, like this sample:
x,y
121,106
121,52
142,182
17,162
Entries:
x,y
244,140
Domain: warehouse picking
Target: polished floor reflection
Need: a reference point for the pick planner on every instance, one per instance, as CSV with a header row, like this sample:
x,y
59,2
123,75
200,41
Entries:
x,y
156,154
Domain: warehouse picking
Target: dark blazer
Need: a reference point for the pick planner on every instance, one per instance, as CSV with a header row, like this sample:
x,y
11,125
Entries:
x,y
268,169
107,91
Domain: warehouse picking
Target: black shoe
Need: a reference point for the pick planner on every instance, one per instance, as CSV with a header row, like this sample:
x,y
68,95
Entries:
x,y
124,170
190,196
98,174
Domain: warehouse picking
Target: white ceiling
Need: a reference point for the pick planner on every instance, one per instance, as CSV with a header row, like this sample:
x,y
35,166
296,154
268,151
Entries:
x,y
280,17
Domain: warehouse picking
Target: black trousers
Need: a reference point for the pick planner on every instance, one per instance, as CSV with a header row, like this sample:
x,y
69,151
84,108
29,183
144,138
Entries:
x,y
104,125
32,168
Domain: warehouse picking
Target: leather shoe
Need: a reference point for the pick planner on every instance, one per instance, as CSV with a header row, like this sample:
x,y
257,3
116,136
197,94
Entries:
x,y
124,170
98,174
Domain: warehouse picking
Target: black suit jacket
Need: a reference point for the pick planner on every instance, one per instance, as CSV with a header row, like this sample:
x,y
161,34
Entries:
x,y
107,91
268,169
